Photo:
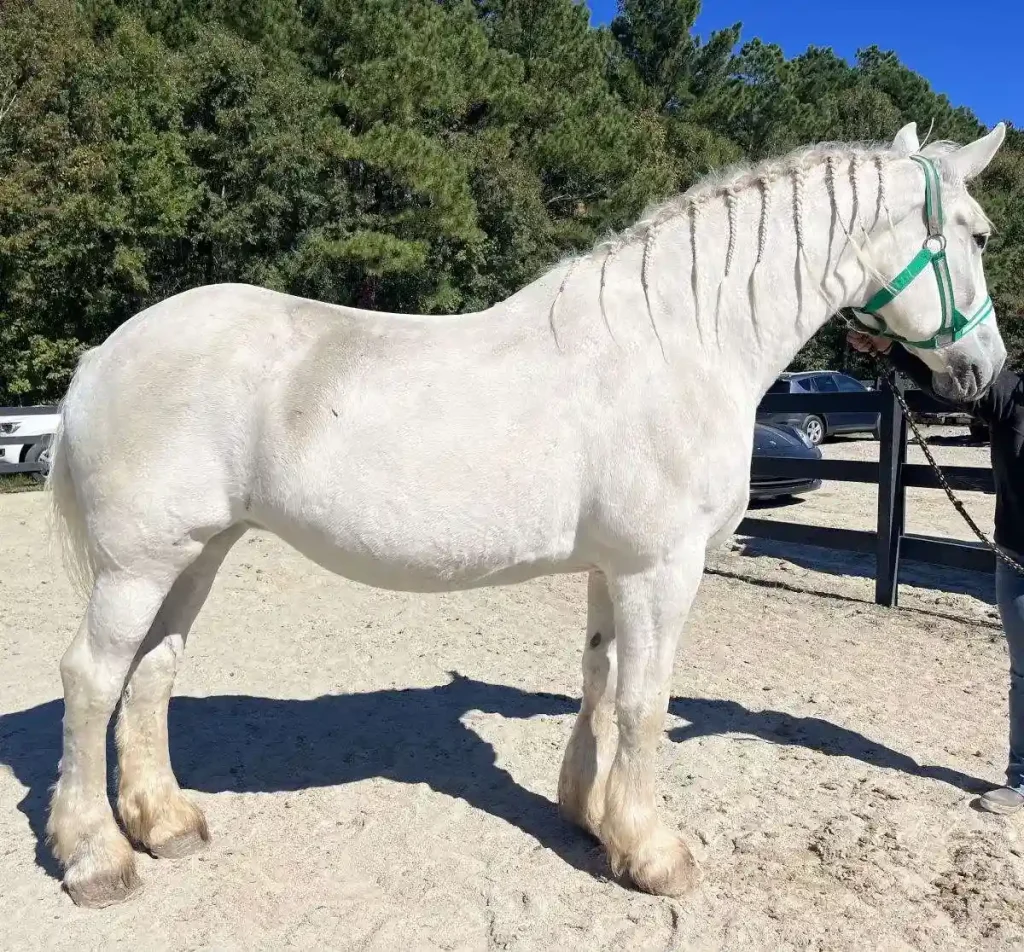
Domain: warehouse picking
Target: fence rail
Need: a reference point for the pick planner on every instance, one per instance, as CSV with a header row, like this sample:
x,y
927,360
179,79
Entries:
x,y
892,473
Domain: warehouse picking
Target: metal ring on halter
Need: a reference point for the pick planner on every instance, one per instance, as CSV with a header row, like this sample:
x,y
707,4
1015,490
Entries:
x,y
938,239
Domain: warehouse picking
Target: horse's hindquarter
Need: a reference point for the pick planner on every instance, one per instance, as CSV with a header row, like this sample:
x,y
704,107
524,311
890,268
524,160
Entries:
x,y
406,455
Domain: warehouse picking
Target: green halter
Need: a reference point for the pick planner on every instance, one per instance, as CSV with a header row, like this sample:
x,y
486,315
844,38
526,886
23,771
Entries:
x,y
955,324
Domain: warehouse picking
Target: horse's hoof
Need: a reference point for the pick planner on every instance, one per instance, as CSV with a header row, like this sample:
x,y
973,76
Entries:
x,y
183,844
169,828
99,878
669,870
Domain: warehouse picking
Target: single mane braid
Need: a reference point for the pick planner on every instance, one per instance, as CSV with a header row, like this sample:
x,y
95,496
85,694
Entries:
x,y
798,205
731,198
854,174
762,226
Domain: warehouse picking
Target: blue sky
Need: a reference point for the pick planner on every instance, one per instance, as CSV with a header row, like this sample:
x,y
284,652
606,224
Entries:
x,y
976,61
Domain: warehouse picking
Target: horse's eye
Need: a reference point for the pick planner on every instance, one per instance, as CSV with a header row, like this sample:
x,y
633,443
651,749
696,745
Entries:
x,y
981,241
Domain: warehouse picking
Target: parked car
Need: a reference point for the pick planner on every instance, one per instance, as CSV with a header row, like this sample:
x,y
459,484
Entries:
x,y
770,440
819,426
14,422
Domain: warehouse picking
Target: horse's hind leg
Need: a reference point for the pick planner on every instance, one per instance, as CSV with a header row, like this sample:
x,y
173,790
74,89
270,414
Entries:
x,y
156,814
99,864
588,756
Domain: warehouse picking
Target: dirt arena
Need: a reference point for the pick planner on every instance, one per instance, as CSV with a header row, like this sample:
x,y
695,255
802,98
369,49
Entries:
x,y
379,770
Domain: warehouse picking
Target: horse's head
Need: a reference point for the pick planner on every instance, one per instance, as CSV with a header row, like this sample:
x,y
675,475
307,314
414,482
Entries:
x,y
929,290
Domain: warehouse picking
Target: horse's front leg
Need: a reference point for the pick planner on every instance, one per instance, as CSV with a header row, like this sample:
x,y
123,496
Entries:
x,y
650,611
588,756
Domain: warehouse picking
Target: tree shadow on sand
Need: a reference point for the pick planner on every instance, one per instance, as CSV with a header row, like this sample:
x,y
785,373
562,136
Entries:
x,y
238,743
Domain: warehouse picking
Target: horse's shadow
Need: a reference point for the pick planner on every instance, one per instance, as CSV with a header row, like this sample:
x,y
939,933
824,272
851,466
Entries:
x,y
254,744
709,716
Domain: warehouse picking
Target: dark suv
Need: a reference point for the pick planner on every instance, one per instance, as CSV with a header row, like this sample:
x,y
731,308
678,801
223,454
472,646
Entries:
x,y
820,425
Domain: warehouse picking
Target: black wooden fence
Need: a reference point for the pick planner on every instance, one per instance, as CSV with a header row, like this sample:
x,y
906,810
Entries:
x,y
892,473
16,439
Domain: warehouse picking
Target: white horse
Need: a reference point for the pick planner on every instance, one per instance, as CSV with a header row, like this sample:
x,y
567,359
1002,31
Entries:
x,y
600,420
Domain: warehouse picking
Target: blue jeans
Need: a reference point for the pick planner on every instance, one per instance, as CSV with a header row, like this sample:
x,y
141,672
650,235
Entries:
x,y
1010,596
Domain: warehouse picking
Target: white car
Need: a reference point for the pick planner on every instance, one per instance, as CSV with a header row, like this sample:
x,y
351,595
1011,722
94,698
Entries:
x,y
26,422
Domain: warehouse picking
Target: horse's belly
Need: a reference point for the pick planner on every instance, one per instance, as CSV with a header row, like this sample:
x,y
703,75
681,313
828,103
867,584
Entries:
x,y
443,491
413,565
435,533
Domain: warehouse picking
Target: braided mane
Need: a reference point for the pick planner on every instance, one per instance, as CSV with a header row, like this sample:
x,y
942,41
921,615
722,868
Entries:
x,y
729,185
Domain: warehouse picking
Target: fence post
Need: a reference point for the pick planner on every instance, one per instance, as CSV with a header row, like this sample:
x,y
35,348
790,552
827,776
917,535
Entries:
x,y
892,452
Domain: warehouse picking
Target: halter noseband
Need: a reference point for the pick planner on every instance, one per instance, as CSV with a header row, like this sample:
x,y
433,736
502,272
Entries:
x,y
955,324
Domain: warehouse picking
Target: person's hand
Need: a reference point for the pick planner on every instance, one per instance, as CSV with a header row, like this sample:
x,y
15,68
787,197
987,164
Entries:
x,y
868,343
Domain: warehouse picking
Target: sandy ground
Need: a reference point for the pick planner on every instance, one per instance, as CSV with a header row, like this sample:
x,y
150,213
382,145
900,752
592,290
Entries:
x,y
379,770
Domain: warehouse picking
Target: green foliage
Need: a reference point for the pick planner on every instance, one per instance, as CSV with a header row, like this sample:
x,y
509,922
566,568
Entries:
x,y
410,155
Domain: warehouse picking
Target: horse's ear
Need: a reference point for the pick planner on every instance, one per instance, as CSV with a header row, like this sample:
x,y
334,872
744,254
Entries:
x,y
970,160
906,140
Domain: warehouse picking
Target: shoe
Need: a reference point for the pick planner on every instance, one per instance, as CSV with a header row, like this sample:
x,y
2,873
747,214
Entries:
x,y
1002,800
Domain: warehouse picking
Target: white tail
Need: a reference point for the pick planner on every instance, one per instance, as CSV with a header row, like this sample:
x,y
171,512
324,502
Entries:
x,y
66,517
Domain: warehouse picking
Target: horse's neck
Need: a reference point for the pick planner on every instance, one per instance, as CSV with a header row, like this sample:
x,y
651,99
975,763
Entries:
x,y
722,291
753,283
